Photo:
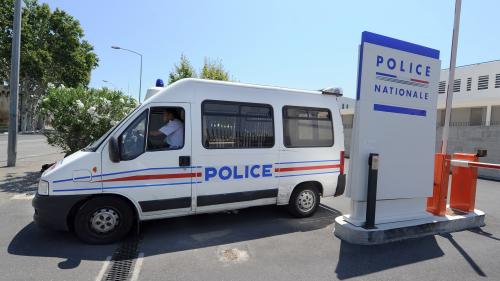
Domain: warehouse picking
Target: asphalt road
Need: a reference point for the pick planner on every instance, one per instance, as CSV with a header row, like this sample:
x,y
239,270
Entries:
x,y
262,243
30,148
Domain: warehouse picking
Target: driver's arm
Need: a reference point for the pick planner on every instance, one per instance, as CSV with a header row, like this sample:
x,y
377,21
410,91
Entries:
x,y
155,133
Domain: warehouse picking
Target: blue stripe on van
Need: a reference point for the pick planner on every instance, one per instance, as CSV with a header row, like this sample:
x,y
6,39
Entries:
x,y
130,171
125,186
308,174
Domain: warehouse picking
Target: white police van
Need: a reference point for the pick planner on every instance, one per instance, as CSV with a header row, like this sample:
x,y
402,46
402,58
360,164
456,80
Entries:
x,y
243,145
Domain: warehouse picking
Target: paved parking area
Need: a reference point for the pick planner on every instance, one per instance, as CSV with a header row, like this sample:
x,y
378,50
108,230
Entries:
x,y
262,243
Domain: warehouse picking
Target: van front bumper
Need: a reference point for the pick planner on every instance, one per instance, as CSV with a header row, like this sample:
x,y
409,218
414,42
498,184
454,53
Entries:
x,y
52,211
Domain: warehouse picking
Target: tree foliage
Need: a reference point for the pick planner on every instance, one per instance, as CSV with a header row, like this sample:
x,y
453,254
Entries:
x,y
53,51
181,70
214,70
80,116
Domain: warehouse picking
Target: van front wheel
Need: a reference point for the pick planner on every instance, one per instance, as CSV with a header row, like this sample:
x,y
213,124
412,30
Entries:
x,y
304,201
103,220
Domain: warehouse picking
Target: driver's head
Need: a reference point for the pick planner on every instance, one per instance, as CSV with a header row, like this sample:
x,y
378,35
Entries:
x,y
168,115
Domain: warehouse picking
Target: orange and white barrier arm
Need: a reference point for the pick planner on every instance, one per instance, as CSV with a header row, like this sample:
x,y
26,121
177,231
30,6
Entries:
x,y
465,163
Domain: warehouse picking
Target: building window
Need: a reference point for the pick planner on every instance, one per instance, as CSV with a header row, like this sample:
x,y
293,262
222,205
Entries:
x,y
237,125
307,127
482,82
469,84
456,85
477,116
442,87
347,120
440,117
495,115
497,80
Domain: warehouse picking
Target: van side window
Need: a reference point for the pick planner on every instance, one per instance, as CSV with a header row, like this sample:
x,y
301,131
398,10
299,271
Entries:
x,y
132,140
307,127
237,125
166,128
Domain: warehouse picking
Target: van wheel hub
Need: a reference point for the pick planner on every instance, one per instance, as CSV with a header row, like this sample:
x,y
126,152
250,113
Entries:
x,y
104,220
306,200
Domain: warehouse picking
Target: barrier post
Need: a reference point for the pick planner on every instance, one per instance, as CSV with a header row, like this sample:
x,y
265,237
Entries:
x,y
371,196
463,184
437,203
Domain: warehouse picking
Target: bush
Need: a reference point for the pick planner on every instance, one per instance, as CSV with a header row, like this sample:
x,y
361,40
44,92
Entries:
x,y
80,116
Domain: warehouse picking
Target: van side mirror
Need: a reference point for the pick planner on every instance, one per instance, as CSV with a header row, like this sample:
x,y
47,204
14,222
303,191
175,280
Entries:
x,y
114,150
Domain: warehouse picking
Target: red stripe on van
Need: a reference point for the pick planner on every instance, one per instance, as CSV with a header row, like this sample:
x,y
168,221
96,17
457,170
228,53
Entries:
x,y
342,162
154,177
306,168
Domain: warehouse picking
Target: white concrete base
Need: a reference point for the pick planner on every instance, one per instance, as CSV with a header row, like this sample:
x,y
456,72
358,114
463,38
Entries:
x,y
389,232
407,209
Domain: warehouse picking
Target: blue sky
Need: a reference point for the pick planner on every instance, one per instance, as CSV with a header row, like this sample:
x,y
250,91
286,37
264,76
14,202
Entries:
x,y
297,44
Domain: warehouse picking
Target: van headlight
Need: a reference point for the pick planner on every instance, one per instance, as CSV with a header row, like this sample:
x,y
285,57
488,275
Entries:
x,y
43,187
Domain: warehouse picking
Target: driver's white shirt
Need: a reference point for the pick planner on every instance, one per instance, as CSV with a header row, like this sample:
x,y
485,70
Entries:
x,y
174,130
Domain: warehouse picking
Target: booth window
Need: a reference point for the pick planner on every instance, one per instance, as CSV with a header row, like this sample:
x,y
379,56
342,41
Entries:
x,y
237,125
307,127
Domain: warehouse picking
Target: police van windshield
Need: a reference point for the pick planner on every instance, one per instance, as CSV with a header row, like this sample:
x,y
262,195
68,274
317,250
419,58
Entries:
x,y
93,146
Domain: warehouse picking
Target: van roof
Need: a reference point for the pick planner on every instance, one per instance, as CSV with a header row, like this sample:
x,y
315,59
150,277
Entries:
x,y
238,84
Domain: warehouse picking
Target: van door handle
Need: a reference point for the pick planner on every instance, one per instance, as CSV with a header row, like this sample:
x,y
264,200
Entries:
x,y
184,161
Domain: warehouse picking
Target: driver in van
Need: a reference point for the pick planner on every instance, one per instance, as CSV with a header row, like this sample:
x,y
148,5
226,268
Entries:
x,y
173,130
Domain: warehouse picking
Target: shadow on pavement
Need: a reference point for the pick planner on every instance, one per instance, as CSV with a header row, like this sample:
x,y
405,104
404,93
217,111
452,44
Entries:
x,y
16,183
171,235
359,260
186,233
33,241
480,231
464,254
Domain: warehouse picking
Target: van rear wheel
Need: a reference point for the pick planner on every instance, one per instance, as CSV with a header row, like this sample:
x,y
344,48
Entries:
x,y
304,201
103,220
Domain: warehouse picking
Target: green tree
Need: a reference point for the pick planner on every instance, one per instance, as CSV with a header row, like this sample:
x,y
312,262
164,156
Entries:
x,y
181,70
53,51
214,70
80,116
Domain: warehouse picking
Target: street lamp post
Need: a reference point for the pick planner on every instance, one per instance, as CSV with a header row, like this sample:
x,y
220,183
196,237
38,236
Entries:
x,y
140,71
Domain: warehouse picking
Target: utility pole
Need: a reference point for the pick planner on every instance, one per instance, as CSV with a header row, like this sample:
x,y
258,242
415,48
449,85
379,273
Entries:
x,y
451,76
14,85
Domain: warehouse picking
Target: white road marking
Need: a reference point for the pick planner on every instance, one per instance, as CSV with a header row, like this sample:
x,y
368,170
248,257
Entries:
x,y
103,269
137,267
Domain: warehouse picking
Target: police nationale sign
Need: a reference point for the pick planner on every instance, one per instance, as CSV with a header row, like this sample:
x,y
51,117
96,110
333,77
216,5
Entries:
x,y
395,117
